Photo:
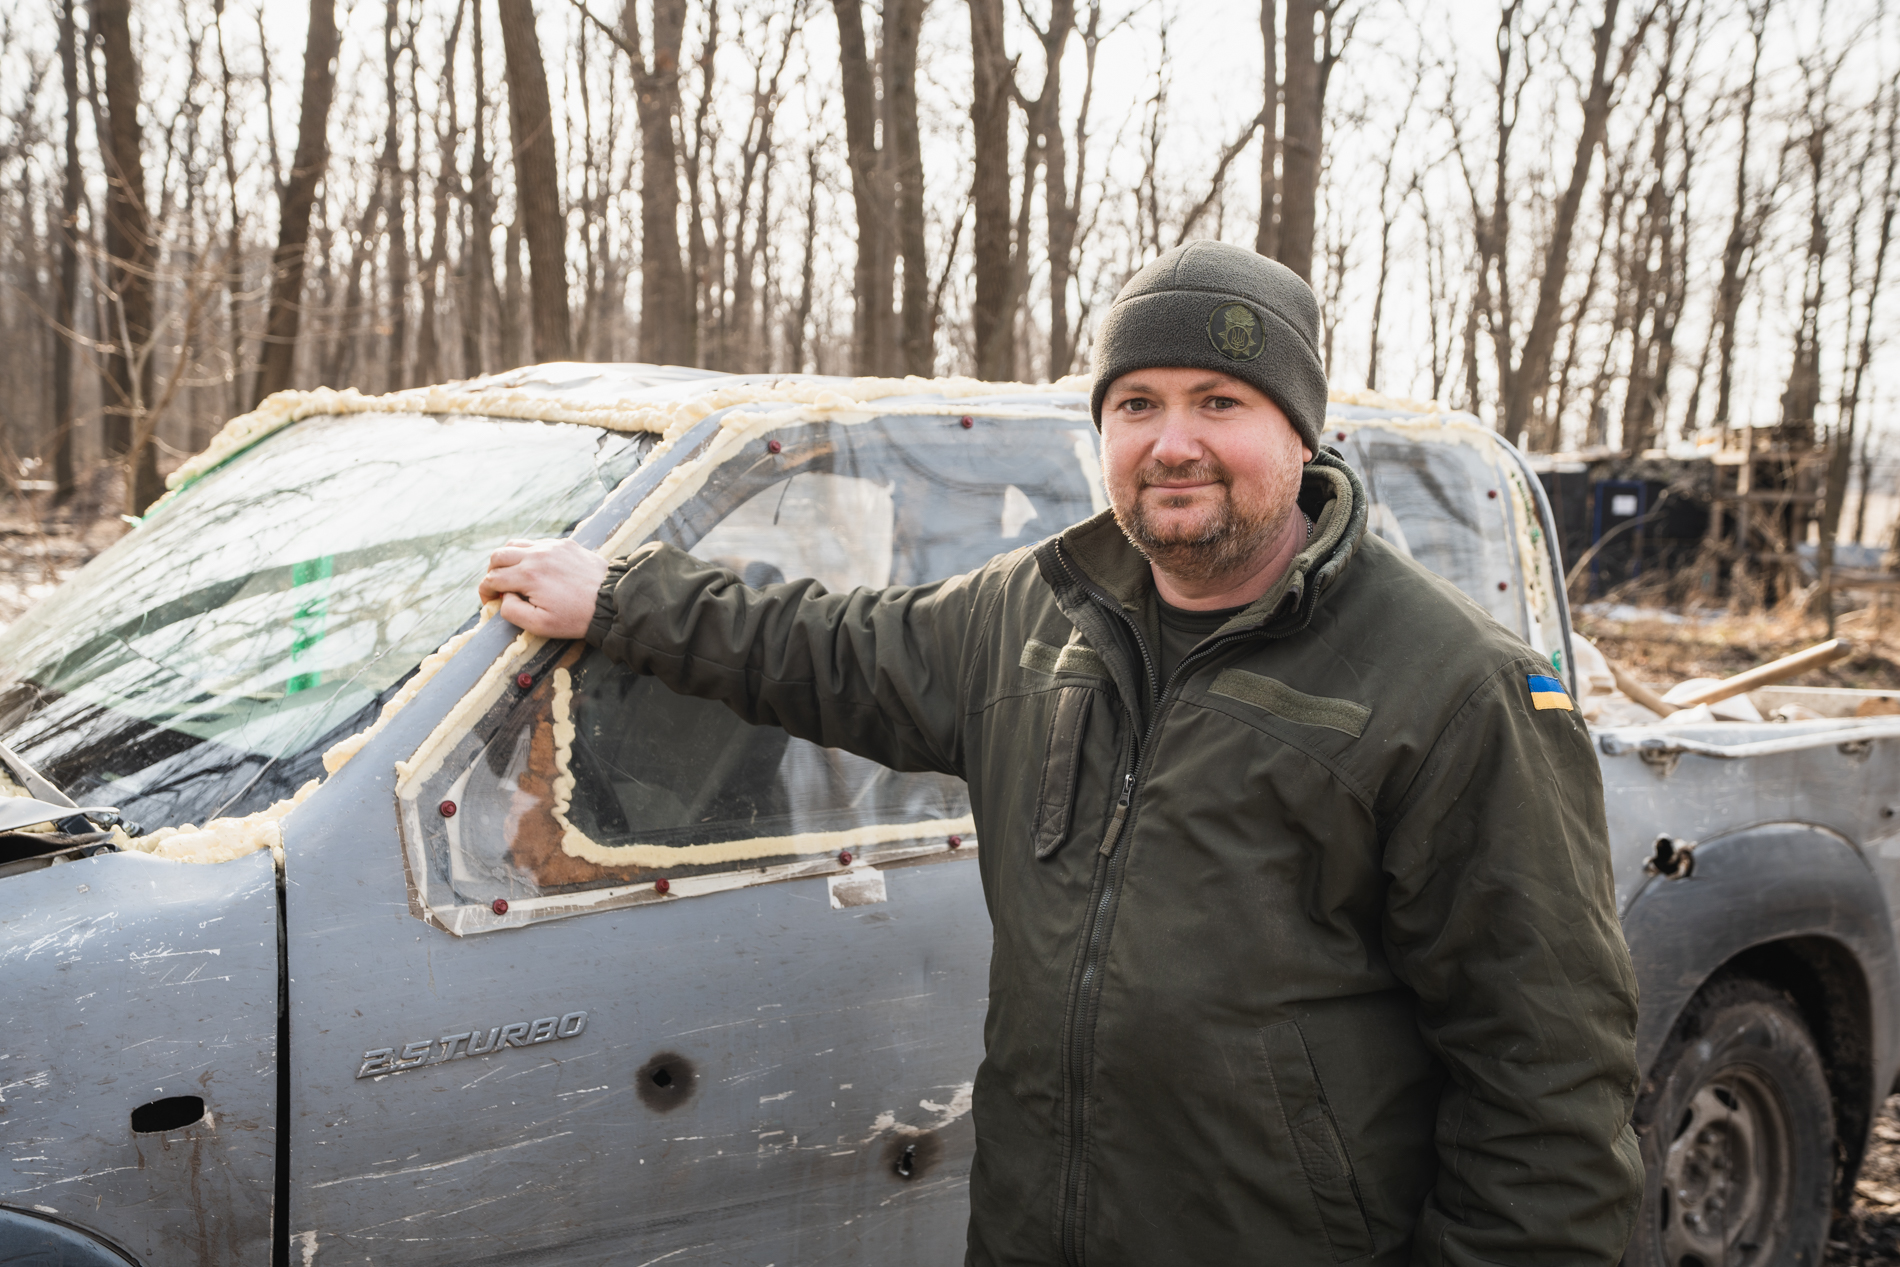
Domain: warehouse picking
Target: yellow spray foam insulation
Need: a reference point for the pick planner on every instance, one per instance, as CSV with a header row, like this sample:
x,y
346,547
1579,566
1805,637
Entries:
x,y
221,839
495,397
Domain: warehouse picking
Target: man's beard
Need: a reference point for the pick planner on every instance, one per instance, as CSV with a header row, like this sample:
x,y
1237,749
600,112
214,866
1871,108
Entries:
x,y
1224,540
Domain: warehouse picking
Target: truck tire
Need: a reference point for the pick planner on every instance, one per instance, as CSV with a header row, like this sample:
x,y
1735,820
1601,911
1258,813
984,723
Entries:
x,y
1737,1132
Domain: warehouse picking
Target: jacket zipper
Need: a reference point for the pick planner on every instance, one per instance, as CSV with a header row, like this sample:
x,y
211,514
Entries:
x,y
1083,1012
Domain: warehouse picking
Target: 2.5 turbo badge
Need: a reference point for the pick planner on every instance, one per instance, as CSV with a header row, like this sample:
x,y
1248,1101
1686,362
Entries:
x,y
435,1051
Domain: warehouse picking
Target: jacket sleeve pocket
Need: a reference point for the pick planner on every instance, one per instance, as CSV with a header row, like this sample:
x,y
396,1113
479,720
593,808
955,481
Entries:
x,y
1061,763
1322,1154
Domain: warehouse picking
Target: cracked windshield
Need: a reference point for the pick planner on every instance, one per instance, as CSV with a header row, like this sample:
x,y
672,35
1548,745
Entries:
x,y
201,665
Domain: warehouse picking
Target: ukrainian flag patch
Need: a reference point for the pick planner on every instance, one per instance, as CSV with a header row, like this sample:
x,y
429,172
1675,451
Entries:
x,y
1548,692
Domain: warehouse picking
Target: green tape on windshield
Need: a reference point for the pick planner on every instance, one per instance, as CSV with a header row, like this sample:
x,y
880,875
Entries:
x,y
308,621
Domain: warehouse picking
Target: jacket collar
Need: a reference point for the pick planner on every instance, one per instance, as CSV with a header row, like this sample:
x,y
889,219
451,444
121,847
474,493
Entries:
x,y
1092,561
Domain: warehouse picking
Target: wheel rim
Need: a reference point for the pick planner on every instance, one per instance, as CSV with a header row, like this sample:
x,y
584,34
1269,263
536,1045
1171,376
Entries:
x,y
1726,1175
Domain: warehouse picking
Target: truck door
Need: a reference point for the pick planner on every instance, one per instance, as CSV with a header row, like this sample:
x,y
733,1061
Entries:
x,y
635,978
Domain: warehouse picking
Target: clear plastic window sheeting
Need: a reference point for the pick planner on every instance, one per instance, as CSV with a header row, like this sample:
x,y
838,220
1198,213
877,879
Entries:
x,y
203,663
591,787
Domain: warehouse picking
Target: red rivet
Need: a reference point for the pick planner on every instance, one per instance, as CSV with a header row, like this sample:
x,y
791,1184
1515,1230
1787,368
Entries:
x,y
773,446
1341,435
844,857
966,422
1493,494
1503,585
662,887
499,906
446,809
524,680
956,842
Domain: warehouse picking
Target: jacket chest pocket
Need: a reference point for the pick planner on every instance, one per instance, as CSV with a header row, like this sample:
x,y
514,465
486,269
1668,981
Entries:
x,y
1061,765
1316,1140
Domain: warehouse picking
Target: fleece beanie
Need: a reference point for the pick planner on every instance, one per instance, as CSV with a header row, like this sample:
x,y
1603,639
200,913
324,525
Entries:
x,y
1210,306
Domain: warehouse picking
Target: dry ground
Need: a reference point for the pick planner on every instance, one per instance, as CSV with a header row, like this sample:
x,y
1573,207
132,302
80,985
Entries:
x,y
1870,1233
1663,648
40,546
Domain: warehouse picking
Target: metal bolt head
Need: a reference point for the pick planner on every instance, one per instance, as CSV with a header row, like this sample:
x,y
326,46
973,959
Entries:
x,y
1339,435
773,446
446,809
966,422
1503,585
524,679
844,857
499,906
1492,494
956,842
662,886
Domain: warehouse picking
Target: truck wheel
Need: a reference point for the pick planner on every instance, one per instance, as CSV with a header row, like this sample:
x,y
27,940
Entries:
x,y
1737,1134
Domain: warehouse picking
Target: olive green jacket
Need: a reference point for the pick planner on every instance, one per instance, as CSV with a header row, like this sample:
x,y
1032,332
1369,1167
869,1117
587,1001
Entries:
x,y
1308,955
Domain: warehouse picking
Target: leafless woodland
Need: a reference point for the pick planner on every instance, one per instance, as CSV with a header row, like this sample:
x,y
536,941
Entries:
x,y
1621,223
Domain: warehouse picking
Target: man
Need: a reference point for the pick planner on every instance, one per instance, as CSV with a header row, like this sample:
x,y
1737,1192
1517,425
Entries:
x,y
1305,949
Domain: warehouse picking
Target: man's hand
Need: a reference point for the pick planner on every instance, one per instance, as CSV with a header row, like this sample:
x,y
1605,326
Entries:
x,y
545,587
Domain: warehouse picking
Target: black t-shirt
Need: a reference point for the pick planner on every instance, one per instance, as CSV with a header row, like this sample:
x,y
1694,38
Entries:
x,y
1183,630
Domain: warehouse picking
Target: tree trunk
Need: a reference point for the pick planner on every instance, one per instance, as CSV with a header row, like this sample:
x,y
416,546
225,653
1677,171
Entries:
x,y
512,353
992,313
1801,401
129,366
903,21
872,340
668,327
395,224
801,317
1739,246
285,313
537,181
1266,238
480,247
65,478
1532,374
1305,104
428,355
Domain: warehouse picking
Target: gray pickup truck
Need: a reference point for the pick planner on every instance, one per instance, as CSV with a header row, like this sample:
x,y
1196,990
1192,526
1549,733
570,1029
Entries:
x,y
341,923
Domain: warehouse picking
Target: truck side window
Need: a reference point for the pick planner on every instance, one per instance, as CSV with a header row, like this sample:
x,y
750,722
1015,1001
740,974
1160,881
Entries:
x,y
595,778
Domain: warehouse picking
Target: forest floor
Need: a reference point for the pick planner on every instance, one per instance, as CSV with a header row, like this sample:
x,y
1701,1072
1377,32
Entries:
x,y
1661,647
1870,1232
40,546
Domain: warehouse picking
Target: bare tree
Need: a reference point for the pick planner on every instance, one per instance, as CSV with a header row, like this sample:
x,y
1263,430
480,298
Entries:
x,y
1801,400
130,257
994,85
537,180
296,197
1530,377
1745,226
1388,214
478,264
65,479
1310,57
1266,238
428,353
1063,202
903,24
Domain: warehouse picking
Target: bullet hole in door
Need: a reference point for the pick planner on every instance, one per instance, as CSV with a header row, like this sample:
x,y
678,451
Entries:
x,y
666,1081
913,1154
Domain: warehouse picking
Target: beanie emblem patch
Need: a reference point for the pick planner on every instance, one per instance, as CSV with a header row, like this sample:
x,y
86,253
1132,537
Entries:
x,y
1235,332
